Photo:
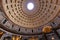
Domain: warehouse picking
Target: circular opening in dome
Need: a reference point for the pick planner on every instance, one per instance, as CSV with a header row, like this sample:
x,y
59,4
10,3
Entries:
x,y
30,6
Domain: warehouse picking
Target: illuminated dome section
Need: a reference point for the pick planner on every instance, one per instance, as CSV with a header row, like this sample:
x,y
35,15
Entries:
x,y
19,12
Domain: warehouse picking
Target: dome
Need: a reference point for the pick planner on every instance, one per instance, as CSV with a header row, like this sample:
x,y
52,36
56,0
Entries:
x,y
30,13
29,17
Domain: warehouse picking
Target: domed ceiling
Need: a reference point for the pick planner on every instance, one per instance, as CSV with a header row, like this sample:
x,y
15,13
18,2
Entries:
x,y
29,14
18,13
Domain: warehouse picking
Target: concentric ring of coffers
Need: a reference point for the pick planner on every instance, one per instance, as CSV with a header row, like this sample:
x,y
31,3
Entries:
x,y
8,26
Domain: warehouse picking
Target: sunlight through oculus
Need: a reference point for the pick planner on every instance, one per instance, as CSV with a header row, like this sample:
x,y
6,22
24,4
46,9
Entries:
x,y
30,6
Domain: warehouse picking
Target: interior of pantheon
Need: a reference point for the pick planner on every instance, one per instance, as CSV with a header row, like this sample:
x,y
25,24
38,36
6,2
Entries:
x,y
29,19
